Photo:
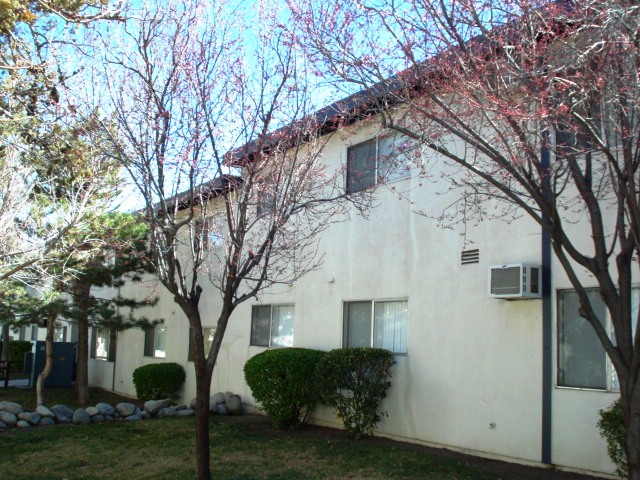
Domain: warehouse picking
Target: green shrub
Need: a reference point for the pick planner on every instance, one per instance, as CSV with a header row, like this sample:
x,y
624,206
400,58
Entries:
x,y
612,429
17,349
158,380
282,381
355,381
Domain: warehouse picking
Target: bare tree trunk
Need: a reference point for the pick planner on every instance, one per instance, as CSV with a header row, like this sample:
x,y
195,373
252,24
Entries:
x,y
6,338
81,293
633,430
48,365
203,387
82,371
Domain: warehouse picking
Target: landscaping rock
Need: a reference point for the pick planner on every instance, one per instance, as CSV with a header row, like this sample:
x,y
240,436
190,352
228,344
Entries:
x,y
8,418
32,417
92,411
81,417
185,412
63,413
125,409
45,412
234,405
98,418
217,398
103,412
154,406
46,421
105,409
11,407
167,412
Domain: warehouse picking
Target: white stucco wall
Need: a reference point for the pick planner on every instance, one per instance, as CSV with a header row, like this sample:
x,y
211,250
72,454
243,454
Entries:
x,y
472,375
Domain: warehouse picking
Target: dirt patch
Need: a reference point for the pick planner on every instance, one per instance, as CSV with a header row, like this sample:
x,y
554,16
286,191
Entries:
x,y
503,470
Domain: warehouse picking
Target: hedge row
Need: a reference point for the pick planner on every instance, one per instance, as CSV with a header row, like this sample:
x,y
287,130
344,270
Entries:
x,y
289,382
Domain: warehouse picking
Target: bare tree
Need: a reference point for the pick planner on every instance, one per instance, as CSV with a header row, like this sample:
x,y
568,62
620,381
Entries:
x,y
543,97
233,199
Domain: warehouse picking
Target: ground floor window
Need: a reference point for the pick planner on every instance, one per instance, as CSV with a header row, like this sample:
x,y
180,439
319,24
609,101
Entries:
x,y
103,343
380,324
582,360
272,325
155,341
60,334
208,333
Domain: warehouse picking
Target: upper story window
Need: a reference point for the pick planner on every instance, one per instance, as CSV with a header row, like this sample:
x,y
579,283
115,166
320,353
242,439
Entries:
x,y
582,360
379,324
266,204
206,235
155,341
272,325
381,159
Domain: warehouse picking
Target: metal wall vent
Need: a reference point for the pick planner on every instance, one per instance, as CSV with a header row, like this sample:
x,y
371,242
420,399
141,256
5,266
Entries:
x,y
470,256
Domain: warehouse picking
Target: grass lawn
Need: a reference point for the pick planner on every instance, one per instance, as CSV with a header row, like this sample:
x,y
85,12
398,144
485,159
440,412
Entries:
x,y
165,449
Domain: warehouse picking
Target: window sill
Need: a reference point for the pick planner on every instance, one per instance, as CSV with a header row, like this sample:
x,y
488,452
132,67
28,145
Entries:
x,y
586,389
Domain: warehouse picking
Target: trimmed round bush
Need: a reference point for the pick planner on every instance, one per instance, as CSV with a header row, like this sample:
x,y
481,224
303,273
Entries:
x,y
158,380
355,381
282,380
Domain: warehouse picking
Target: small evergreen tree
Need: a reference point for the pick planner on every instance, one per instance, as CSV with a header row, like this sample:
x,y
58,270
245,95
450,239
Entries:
x,y
120,254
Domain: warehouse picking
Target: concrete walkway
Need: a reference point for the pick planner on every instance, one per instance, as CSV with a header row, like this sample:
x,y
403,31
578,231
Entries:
x,y
22,382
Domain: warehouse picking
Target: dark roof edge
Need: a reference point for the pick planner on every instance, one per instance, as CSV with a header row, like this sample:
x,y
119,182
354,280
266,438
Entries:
x,y
217,187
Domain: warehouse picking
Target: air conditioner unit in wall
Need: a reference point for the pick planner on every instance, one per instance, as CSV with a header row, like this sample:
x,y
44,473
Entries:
x,y
516,281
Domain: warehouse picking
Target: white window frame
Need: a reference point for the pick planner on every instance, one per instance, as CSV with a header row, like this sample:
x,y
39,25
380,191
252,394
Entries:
x,y
271,342
372,340
401,171
612,384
